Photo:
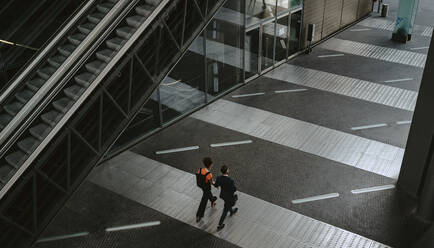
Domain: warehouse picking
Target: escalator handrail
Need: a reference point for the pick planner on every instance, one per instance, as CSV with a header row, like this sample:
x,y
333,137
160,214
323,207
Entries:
x,y
27,109
8,89
83,97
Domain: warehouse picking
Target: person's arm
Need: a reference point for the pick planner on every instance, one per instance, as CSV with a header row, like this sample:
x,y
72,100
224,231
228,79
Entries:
x,y
217,183
233,186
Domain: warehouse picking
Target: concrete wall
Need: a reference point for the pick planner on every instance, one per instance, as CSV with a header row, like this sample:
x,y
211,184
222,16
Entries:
x,y
331,15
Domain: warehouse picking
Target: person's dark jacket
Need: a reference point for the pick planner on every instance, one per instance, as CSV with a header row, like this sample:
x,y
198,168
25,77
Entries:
x,y
227,187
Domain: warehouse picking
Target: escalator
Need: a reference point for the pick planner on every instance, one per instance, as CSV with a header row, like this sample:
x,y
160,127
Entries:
x,y
30,24
64,130
27,91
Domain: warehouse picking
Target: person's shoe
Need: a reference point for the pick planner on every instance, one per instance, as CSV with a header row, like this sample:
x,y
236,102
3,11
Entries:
x,y
214,202
198,219
233,212
220,227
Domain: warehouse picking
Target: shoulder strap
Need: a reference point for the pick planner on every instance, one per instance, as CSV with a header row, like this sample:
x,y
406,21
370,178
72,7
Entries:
x,y
206,174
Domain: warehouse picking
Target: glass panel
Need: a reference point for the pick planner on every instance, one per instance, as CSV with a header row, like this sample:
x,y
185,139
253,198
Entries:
x,y
260,10
267,45
224,49
252,52
183,90
283,6
147,120
282,38
294,33
296,4
46,194
11,236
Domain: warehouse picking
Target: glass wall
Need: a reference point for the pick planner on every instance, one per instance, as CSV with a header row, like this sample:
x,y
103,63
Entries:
x,y
234,46
271,33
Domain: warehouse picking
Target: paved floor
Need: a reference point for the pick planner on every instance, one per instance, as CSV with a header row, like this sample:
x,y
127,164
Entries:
x,y
322,138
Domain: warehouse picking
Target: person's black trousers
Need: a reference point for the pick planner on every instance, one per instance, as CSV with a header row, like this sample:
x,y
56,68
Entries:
x,y
207,195
226,209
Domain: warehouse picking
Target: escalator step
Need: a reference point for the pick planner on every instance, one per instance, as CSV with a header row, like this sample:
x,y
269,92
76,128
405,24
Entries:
x,y
66,50
153,2
29,144
95,66
16,159
86,28
25,95
113,1
63,104
106,55
56,61
74,92
95,17
13,108
76,39
6,172
52,117
104,7
40,131
144,10
135,21
116,43
35,84
5,118
125,32
46,72
85,79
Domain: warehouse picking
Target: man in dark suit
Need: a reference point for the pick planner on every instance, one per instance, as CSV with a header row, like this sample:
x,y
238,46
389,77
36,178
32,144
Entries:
x,y
227,194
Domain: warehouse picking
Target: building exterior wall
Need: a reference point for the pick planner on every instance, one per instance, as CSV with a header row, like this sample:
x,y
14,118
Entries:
x,y
331,15
349,12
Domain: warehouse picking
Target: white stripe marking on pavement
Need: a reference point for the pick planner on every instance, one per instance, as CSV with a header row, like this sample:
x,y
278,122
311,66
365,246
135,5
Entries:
x,y
369,126
231,143
183,149
331,55
419,48
403,122
75,235
398,80
288,91
135,226
315,198
359,29
246,95
372,189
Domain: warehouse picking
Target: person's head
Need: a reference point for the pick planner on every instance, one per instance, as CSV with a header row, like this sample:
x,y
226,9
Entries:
x,y
224,169
207,162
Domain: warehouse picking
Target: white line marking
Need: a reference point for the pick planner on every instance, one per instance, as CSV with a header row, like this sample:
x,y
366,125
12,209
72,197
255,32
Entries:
x,y
403,122
183,149
369,126
372,189
245,95
120,228
360,29
231,143
75,235
419,48
398,80
315,198
331,55
286,91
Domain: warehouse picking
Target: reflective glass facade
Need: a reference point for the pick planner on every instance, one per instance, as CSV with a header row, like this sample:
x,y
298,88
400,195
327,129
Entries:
x,y
233,48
